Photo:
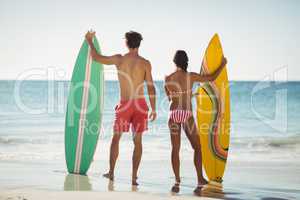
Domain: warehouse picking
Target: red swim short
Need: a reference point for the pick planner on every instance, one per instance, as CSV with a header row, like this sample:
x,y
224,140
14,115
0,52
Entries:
x,y
131,112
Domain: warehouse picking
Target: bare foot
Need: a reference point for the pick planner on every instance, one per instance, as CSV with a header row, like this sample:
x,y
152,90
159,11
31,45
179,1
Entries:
x,y
197,190
134,182
109,176
175,188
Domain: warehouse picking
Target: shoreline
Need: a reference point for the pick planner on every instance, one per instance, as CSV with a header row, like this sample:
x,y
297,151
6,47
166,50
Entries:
x,y
242,180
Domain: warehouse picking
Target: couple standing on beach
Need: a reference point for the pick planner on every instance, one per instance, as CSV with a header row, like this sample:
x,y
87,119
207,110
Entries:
x,y
132,110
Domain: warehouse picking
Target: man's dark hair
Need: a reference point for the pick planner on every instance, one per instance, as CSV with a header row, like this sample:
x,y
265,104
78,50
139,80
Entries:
x,y
181,59
133,39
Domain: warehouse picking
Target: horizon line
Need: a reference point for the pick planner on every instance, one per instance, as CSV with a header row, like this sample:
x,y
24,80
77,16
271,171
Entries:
x,y
161,80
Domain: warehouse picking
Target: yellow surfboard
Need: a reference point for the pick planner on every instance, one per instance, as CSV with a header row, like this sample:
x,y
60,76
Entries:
x,y
213,114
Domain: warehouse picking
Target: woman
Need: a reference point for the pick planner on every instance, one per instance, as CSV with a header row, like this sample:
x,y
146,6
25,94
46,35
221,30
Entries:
x,y
178,87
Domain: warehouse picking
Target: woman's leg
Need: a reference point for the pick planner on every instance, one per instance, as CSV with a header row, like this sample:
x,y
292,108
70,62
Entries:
x,y
175,130
192,134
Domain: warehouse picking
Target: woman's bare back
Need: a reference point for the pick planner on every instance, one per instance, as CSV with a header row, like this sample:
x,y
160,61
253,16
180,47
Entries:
x,y
179,89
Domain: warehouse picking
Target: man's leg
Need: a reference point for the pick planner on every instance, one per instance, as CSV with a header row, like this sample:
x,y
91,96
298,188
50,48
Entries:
x,y
137,155
114,152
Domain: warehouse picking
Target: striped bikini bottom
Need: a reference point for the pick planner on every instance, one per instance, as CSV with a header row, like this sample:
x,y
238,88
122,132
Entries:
x,y
180,116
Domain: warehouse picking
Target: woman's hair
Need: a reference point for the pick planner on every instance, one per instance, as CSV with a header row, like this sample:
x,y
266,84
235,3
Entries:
x,y
181,59
133,39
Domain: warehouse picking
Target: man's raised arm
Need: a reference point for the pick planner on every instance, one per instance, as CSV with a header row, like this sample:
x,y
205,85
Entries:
x,y
107,60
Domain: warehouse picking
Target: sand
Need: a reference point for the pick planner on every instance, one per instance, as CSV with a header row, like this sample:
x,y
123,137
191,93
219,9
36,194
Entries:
x,y
48,195
243,180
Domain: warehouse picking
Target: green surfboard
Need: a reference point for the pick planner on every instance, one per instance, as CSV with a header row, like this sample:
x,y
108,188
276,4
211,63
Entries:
x,y
84,110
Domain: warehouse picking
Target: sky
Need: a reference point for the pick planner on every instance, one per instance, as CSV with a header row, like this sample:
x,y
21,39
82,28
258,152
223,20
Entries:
x,y
40,39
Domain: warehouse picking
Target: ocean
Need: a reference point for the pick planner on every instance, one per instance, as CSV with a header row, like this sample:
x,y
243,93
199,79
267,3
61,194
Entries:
x,y
264,128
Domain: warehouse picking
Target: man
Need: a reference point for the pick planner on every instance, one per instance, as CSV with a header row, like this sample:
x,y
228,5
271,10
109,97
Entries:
x,y
132,110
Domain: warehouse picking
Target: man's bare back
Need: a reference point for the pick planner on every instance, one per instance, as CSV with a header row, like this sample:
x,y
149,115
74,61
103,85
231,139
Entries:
x,y
132,72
